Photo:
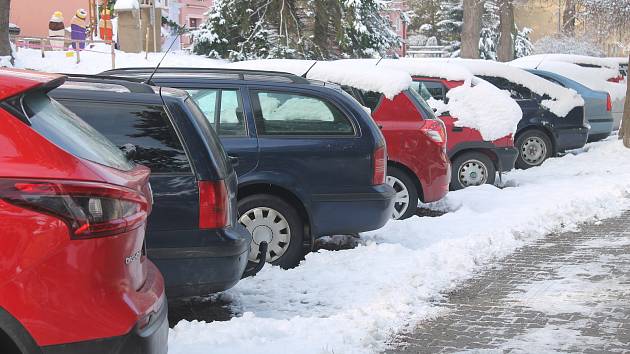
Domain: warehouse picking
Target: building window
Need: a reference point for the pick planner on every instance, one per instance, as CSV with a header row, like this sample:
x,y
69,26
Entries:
x,y
194,22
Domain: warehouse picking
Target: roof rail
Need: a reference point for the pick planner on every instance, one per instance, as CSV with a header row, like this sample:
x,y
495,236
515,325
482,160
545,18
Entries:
x,y
174,70
131,84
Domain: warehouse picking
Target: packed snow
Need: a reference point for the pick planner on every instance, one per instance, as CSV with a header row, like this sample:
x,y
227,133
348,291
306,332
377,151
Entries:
x,y
353,301
484,107
358,74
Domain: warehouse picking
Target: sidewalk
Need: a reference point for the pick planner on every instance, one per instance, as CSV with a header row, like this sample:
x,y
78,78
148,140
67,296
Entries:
x,y
568,292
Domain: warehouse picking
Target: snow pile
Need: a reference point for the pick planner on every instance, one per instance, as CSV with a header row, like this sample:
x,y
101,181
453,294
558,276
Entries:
x,y
352,301
358,73
442,70
593,78
573,59
98,59
560,101
486,108
126,5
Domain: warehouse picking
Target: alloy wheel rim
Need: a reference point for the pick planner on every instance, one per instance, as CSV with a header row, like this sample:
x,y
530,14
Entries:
x,y
269,225
534,151
472,173
401,200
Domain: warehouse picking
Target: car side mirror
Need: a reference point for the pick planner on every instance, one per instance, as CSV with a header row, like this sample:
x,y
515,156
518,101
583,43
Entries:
x,y
129,150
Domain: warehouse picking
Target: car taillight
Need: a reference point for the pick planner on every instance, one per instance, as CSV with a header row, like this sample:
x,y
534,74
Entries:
x,y
616,79
214,205
90,209
435,130
608,103
380,165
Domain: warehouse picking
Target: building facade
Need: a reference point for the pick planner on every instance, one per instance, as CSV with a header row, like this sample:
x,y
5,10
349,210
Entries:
x,y
33,20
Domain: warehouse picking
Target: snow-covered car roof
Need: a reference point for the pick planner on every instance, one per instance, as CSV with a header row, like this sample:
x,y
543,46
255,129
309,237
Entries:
x,y
559,100
571,58
593,78
451,72
362,75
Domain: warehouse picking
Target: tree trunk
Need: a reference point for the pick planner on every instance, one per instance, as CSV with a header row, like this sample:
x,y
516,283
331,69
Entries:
x,y
5,44
473,9
624,132
505,51
568,18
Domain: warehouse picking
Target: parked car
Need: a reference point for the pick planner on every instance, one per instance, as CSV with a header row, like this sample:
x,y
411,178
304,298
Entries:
x,y
417,165
553,116
597,104
294,141
73,210
193,234
480,142
598,74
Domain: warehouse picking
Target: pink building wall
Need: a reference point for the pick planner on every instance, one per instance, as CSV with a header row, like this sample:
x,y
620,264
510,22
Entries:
x,y
33,15
192,14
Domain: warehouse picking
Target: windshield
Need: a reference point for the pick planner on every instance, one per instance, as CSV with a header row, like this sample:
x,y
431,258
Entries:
x,y
64,129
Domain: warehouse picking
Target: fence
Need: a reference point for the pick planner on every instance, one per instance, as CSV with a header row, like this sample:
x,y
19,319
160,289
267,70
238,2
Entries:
x,y
44,44
426,51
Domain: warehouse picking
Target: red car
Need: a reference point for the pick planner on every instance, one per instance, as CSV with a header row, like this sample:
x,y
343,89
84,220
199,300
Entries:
x,y
474,160
417,163
74,277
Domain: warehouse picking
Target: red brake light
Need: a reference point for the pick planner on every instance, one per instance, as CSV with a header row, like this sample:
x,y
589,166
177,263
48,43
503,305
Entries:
x,y
380,165
214,205
435,130
616,79
608,103
90,209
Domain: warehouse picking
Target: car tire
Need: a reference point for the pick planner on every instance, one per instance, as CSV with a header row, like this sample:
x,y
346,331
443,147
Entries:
x,y
401,182
472,169
283,231
541,149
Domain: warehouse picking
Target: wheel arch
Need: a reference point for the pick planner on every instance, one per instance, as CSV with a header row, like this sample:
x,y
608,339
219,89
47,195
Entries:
x,y
288,196
410,174
543,129
482,150
14,338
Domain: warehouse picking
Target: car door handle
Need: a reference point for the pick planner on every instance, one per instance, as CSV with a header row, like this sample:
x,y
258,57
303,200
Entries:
x,y
233,160
457,129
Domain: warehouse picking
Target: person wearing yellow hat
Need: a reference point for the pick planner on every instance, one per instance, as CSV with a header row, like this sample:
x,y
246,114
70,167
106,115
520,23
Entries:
x,y
78,28
56,31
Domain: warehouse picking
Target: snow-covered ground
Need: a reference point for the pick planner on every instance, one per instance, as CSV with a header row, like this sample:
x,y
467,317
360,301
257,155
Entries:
x,y
98,59
352,301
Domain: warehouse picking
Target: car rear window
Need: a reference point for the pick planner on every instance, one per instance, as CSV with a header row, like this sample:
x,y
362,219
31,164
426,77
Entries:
x,y
421,104
63,128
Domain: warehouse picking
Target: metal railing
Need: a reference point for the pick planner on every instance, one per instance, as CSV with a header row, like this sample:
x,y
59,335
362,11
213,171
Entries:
x,y
426,51
44,44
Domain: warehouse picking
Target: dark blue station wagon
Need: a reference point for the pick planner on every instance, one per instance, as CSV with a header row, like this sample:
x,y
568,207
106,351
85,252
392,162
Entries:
x,y
310,160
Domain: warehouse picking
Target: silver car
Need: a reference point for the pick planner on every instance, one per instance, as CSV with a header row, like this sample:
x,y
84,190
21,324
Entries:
x,y
597,104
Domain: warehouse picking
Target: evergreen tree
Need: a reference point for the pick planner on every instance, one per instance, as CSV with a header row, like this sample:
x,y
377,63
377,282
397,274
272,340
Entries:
x,y
311,29
522,44
489,31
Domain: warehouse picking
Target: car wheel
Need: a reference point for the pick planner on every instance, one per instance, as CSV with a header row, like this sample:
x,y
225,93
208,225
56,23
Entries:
x,y
272,220
406,200
534,147
472,169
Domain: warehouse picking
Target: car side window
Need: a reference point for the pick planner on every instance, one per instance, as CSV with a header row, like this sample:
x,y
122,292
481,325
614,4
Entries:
x,y
282,113
433,88
516,91
147,127
371,99
223,109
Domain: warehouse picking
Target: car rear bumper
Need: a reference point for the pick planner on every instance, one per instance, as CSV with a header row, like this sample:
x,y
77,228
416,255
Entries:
x,y
570,138
215,265
506,157
600,128
350,213
436,178
152,338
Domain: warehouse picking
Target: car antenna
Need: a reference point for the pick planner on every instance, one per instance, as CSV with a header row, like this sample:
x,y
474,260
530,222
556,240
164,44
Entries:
x,y
309,69
379,60
148,81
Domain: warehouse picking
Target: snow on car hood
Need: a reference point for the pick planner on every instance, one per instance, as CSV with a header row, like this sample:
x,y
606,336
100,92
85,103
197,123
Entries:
x,y
483,107
593,78
359,74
